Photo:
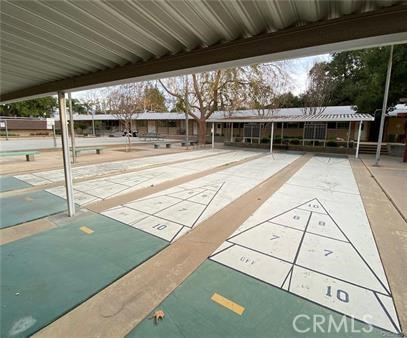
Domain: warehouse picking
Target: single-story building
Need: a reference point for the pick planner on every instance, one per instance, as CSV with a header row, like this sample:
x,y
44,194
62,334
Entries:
x,y
291,125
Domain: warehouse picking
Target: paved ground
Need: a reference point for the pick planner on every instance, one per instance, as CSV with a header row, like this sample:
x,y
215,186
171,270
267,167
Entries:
x,y
391,174
48,142
285,235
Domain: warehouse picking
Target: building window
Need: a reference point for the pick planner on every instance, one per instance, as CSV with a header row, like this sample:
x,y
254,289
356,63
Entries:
x,y
162,124
141,123
172,124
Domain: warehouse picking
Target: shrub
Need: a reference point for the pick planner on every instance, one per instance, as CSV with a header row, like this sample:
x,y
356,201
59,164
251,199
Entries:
x,y
331,144
295,141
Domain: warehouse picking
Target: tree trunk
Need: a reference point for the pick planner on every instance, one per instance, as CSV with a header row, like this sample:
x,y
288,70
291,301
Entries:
x,y
202,131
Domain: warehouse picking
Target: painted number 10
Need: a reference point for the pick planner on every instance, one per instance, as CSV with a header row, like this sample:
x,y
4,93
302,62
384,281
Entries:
x,y
342,295
160,226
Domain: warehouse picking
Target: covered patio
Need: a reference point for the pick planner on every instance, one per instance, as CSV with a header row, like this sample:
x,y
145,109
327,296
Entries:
x,y
314,128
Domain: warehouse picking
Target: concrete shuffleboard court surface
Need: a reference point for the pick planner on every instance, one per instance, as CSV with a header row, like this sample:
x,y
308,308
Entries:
x,y
57,175
173,212
46,275
103,188
307,250
28,207
8,183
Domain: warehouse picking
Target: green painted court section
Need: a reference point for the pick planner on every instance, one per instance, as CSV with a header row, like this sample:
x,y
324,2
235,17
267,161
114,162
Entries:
x,y
46,275
8,183
28,207
269,311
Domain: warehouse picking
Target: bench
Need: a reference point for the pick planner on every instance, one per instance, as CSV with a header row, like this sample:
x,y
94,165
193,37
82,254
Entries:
x,y
157,145
97,149
29,155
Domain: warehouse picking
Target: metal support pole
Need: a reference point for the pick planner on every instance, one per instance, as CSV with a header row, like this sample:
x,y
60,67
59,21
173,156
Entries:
x,y
231,133
5,122
358,142
71,128
54,135
271,137
384,107
93,123
213,135
65,152
186,112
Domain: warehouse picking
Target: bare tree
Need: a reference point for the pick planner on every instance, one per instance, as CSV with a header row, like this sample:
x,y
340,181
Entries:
x,y
319,91
266,83
124,102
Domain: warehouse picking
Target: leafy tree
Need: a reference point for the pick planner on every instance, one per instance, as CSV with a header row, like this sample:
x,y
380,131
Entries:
x,y
154,99
41,107
359,77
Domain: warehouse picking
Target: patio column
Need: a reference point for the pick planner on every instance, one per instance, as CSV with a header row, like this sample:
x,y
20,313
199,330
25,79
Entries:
x,y
358,142
213,135
271,137
71,128
349,130
65,152
231,133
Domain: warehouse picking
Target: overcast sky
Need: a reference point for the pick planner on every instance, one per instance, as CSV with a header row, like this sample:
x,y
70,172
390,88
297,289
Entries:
x,y
297,68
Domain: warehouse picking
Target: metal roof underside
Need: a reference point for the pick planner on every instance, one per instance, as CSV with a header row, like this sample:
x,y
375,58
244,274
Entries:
x,y
49,45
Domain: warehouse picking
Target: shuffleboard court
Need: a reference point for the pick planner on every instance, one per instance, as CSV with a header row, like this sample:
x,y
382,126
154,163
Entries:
x,y
28,207
307,250
103,188
8,183
313,239
57,175
268,311
46,275
173,212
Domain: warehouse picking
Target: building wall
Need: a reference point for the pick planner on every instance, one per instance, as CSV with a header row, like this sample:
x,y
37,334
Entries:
x,y
395,129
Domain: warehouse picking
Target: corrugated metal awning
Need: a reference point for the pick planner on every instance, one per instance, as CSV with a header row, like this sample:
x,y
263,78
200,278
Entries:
x,y
299,118
49,45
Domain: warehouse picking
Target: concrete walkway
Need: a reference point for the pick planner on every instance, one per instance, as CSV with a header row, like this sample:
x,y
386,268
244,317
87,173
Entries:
x,y
391,175
390,232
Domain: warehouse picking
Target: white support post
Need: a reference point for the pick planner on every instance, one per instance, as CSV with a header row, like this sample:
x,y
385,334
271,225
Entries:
x,y
5,123
271,137
54,135
213,135
358,142
231,133
71,128
384,107
186,112
65,152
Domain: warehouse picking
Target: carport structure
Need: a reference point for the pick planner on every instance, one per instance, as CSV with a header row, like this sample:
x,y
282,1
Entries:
x,y
54,47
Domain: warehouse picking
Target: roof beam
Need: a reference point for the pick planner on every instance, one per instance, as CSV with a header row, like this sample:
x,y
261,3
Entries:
x,y
384,26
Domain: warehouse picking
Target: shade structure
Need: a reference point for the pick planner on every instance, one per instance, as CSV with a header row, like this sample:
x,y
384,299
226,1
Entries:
x,y
50,46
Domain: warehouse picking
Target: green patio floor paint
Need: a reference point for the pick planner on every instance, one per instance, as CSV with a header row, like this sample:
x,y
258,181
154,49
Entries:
x,y
8,183
28,207
269,311
46,275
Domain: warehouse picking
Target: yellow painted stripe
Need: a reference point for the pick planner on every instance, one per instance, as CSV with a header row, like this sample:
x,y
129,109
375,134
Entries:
x,y
227,303
86,230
